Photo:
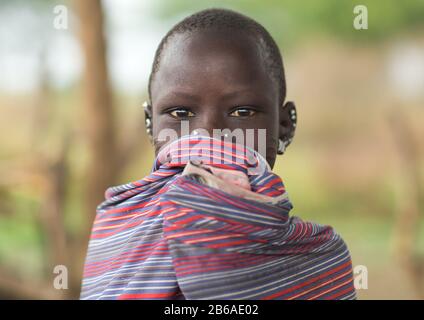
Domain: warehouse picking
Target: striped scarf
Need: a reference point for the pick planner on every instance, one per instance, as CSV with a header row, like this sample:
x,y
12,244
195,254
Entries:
x,y
211,221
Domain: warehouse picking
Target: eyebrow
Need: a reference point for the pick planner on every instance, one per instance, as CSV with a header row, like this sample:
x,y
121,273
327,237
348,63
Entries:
x,y
196,98
182,94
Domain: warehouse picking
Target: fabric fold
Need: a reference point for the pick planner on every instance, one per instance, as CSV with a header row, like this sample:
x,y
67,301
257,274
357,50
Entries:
x,y
211,221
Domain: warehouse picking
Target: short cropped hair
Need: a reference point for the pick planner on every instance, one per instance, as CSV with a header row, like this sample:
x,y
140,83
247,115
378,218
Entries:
x,y
228,20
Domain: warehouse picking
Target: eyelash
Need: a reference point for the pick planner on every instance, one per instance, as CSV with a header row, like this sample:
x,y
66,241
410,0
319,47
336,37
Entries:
x,y
249,109
179,109
244,109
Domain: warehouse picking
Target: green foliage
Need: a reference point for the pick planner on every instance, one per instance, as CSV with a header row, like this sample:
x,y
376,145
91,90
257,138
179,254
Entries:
x,y
291,20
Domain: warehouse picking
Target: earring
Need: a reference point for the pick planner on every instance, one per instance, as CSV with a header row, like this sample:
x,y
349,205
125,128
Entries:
x,y
281,146
293,117
147,119
148,124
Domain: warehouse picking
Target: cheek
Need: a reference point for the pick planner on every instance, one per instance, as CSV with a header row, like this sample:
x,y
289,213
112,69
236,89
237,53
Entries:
x,y
267,145
266,122
265,133
164,131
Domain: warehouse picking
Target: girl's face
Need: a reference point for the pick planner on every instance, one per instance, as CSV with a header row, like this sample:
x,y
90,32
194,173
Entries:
x,y
216,80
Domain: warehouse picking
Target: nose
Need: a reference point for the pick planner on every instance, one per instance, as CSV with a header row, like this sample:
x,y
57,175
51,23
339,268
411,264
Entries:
x,y
210,120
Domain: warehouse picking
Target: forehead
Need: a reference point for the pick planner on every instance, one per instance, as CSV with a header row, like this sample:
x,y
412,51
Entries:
x,y
212,62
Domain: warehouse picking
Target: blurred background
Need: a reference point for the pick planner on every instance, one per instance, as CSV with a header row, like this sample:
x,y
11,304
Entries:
x,y
71,124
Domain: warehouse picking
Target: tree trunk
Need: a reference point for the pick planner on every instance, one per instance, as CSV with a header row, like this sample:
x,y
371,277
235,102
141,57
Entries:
x,y
98,115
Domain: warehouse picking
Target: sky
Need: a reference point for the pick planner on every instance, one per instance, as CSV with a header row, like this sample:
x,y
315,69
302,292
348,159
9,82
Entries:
x,y
27,35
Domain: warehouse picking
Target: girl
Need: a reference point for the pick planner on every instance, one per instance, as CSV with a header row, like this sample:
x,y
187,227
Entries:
x,y
212,221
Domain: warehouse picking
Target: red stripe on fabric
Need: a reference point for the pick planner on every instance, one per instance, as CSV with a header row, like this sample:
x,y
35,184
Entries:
x,y
312,280
146,295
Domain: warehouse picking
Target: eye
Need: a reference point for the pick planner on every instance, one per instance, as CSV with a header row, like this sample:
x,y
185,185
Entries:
x,y
243,112
180,113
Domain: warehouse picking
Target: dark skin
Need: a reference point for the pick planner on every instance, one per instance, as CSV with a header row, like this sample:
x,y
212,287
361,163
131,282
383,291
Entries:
x,y
218,80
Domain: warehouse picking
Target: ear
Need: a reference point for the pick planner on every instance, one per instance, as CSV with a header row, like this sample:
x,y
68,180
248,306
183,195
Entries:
x,y
288,121
148,118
